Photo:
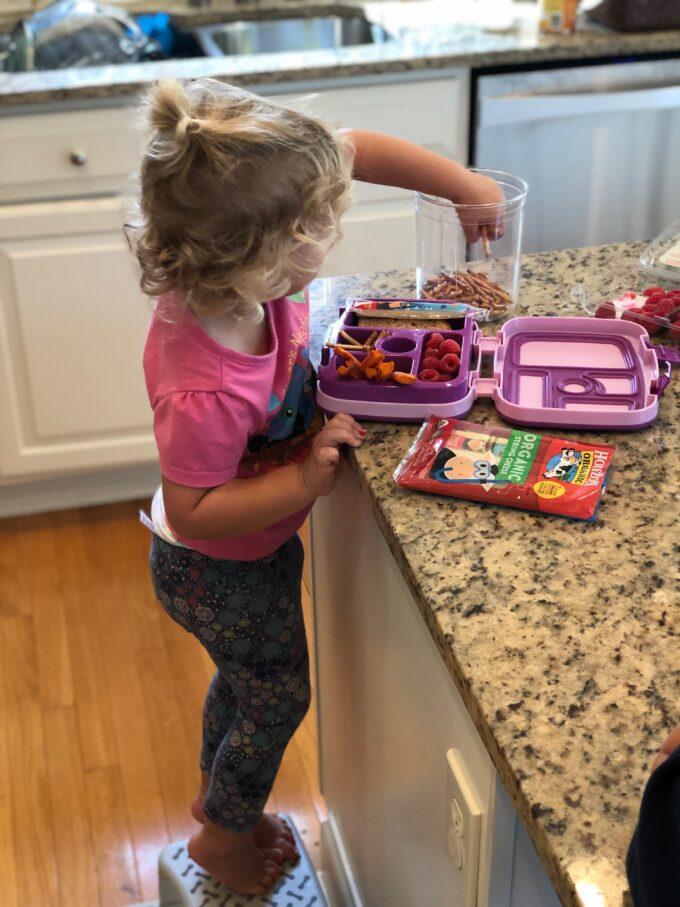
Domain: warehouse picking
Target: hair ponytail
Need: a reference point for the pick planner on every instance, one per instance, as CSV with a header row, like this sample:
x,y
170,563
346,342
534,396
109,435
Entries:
x,y
232,187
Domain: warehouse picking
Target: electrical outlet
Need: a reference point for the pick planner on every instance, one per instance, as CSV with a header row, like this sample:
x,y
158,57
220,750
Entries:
x,y
464,827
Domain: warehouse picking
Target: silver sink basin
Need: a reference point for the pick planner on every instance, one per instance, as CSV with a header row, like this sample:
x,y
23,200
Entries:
x,y
265,36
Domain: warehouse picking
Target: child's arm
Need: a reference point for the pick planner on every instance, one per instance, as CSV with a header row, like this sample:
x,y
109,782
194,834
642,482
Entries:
x,y
391,161
242,506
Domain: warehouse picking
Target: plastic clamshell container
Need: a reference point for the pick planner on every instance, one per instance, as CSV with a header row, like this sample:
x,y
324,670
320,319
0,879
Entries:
x,y
547,371
661,258
621,301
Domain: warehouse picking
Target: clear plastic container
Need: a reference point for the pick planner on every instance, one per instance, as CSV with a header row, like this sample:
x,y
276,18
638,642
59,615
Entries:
x,y
634,297
661,258
457,260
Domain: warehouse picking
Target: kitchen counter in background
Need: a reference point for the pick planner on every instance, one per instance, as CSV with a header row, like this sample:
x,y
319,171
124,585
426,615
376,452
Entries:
x,y
561,637
430,48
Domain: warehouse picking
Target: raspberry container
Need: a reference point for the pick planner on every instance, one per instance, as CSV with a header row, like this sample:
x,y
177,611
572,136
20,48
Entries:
x,y
451,248
651,299
575,372
661,258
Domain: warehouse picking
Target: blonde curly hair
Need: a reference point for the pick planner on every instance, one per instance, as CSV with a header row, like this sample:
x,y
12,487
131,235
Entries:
x,y
232,188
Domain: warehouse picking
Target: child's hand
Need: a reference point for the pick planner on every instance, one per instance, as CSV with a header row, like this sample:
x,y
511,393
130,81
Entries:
x,y
318,470
480,190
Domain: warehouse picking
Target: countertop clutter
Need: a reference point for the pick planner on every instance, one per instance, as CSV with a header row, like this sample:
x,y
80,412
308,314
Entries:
x,y
437,46
560,637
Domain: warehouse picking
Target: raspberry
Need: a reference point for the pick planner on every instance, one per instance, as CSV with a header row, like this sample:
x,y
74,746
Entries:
x,y
675,329
434,342
449,346
650,290
605,310
663,308
428,374
449,364
638,316
430,362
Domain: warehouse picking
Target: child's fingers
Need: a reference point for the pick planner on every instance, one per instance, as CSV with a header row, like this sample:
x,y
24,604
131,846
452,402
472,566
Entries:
x,y
347,421
343,421
494,231
328,456
337,434
472,232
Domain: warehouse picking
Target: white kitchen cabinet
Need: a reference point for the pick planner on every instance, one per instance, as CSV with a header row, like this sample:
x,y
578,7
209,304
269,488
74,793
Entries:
x,y
67,153
72,328
388,714
72,318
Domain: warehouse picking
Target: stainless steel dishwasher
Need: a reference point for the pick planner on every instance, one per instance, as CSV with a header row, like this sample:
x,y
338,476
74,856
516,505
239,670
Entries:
x,y
598,145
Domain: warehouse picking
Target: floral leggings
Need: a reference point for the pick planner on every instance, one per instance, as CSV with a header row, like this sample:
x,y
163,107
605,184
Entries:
x,y
248,616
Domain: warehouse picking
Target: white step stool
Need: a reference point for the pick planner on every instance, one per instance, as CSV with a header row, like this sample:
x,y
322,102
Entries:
x,y
184,884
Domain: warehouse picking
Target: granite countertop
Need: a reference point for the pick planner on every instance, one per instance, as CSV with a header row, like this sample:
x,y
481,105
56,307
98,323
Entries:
x,y
433,47
561,636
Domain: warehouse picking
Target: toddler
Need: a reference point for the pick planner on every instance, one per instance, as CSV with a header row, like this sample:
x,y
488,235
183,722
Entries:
x,y
240,200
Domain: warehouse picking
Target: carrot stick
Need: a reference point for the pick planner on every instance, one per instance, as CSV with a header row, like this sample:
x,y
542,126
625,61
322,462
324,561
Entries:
x,y
403,377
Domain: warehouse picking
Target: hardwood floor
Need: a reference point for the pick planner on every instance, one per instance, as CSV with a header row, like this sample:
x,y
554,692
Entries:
x,y
100,704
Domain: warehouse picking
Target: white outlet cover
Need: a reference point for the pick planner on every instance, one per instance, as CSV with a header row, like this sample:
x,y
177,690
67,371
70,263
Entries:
x,y
464,805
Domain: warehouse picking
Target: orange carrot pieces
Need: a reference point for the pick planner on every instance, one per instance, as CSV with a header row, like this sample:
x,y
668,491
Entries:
x,y
403,377
373,358
372,367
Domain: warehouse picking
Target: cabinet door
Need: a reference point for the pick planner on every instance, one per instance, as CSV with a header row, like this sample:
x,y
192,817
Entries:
x,y
72,329
388,714
379,228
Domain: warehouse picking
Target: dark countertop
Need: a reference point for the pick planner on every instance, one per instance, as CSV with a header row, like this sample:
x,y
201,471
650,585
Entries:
x,y
422,49
561,637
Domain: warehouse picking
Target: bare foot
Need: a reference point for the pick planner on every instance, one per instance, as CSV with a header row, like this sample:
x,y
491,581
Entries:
x,y
272,833
233,859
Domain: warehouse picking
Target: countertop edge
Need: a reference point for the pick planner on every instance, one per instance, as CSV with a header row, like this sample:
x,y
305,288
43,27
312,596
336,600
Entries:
x,y
130,79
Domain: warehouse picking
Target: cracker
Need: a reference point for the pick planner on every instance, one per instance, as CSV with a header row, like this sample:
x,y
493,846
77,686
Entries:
x,y
432,324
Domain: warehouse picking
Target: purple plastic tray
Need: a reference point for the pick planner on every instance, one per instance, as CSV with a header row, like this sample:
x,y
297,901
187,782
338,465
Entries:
x,y
577,372
406,348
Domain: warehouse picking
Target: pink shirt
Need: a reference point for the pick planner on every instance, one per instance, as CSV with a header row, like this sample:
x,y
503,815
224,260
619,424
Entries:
x,y
219,413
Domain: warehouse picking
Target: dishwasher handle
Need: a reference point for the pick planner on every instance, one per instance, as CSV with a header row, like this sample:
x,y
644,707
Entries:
x,y
512,109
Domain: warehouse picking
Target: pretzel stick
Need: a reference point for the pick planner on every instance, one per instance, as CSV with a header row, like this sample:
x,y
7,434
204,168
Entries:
x,y
350,340
486,245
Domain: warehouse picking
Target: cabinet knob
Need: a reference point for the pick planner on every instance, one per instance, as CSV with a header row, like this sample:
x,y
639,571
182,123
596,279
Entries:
x,y
78,158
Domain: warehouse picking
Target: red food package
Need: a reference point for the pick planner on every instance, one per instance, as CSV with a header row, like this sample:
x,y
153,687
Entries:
x,y
507,467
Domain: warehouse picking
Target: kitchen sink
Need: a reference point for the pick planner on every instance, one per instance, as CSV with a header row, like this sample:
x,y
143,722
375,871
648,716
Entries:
x,y
264,36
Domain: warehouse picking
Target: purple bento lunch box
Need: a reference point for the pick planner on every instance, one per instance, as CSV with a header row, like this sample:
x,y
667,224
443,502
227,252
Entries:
x,y
575,372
